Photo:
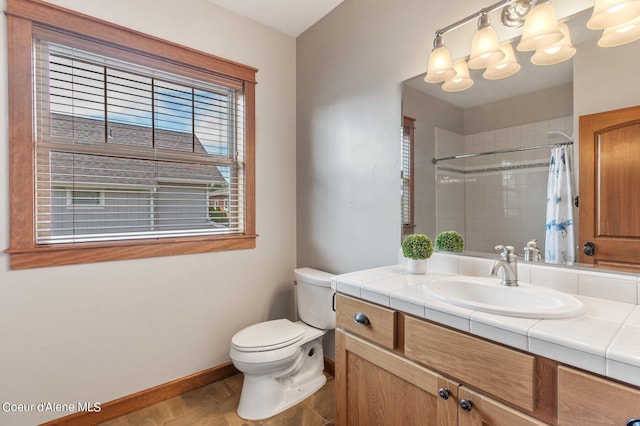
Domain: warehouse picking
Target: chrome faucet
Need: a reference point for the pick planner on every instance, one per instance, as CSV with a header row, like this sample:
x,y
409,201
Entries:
x,y
509,263
532,252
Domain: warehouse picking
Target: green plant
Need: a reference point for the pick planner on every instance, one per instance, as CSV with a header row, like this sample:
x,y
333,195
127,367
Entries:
x,y
417,246
218,215
449,241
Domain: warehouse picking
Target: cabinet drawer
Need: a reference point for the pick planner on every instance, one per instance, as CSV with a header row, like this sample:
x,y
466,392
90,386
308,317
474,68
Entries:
x,y
486,411
502,372
585,399
380,322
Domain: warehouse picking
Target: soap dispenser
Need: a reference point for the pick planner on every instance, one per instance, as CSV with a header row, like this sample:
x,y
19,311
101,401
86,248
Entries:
x,y
532,252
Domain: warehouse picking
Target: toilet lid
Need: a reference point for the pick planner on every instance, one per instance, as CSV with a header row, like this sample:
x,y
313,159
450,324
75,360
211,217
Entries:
x,y
267,336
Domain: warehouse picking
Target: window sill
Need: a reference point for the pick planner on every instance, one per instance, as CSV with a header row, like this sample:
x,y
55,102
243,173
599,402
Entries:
x,y
44,256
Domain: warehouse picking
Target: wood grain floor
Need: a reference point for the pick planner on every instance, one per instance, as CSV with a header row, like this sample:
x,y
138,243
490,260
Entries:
x,y
216,404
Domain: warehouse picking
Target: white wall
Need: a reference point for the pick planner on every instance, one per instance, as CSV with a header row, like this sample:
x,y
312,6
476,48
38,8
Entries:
x,y
349,69
541,105
429,113
101,331
605,79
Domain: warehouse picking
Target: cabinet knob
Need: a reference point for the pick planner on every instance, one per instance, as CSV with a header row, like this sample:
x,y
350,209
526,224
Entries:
x,y
361,318
444,393
633,422
466,405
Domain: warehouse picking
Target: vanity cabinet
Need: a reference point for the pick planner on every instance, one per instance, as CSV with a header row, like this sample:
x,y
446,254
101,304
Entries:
x,y
395,369
377,386
376,383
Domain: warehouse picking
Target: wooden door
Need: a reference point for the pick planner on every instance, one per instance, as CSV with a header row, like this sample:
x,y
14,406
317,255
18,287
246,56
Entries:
x,y
379,387
610,188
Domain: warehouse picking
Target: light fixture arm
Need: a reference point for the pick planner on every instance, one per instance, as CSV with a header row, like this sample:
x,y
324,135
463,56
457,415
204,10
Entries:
x,y
473,16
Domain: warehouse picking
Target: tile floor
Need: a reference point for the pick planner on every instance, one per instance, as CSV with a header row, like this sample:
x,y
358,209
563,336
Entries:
x,y
216,404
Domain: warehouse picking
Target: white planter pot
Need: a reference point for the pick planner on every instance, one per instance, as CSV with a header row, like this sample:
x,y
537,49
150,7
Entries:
x,y
417,266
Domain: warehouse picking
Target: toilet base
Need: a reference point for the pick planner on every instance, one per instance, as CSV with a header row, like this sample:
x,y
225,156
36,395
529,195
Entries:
x,y
265,396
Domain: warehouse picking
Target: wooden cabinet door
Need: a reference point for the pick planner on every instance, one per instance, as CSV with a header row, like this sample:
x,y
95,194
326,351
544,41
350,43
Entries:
x,y
379,387
483,411
584,399
610,188
473,361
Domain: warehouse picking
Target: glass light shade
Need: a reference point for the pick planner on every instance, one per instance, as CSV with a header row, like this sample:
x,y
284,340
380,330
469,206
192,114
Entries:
x,y
461,81
440,66
557,52
506,67
622,34
485,49
611,13
540,28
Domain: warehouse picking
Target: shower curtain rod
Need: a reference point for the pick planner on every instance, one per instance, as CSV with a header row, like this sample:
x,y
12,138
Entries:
x,y
500,151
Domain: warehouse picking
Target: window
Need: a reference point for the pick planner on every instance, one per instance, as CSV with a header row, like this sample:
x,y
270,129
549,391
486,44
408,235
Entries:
x,y
138,147
78,198
406,176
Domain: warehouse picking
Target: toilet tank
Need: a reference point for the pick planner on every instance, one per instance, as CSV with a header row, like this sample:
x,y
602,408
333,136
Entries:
x,y
314,297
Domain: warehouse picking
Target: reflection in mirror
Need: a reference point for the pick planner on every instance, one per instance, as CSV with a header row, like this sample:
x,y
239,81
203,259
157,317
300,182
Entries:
x,y
498,198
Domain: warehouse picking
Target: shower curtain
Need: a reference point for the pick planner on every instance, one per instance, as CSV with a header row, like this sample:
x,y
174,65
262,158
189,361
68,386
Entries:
x,y
559,241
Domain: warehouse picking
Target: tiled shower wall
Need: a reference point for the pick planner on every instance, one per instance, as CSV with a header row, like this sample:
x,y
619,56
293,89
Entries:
x,y
500,198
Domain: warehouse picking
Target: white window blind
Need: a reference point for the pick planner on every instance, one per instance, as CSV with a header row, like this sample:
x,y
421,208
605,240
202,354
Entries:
x,y
128,152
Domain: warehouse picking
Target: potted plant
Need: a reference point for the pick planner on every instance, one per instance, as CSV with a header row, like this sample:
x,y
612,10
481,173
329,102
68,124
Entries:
x,y
417,248
449,241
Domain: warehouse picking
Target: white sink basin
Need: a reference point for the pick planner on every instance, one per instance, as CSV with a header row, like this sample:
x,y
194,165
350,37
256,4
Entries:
x,y
488,295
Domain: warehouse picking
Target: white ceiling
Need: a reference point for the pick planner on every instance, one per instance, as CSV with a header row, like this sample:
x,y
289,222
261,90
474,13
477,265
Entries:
x,y
291,17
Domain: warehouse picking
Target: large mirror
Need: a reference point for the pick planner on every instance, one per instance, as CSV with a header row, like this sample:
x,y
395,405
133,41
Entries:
x,y
501,198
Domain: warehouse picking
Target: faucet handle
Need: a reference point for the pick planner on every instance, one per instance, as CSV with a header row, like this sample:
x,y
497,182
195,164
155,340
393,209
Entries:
x,y
507,252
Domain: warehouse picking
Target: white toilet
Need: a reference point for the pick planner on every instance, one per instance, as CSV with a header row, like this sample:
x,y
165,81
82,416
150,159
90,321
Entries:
x,y
283,361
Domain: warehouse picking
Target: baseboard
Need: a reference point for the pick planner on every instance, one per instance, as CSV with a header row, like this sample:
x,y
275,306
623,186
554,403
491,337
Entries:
x,y
329,367
137,401
128,404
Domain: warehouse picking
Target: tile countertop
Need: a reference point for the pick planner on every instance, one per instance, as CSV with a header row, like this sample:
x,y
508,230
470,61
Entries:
x,y
605,340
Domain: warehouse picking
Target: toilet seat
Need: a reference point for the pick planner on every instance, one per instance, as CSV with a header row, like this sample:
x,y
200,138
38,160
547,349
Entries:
x,y
267,336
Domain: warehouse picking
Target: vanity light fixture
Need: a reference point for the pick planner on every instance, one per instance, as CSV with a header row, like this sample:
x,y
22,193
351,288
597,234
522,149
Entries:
x,y
622,34
505,68
620,20
612,13
462,79
557,52
485,49
540,28
541,33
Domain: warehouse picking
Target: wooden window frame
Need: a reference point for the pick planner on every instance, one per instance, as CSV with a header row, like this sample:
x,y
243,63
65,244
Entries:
x,y
26,16
408,128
